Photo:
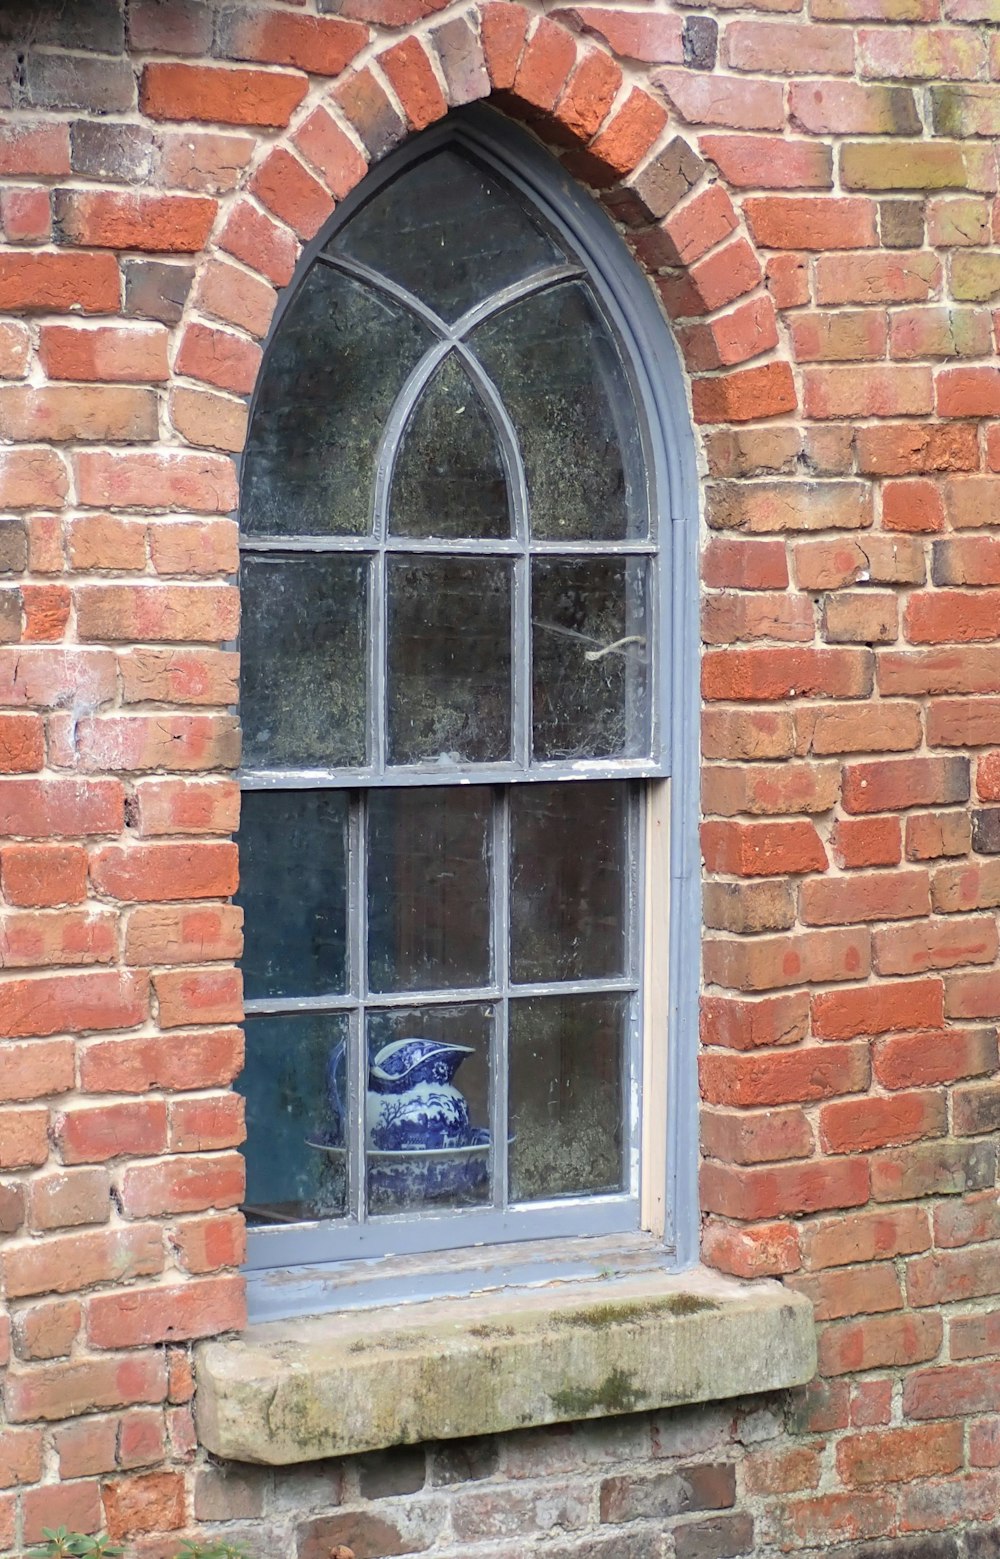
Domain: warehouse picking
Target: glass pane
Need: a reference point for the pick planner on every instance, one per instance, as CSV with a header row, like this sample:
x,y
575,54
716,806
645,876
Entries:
x,y
293,889
566,1095
428,1108
449,478
590,653
337,364
561,376
569,881
294,1167
303,652
448,233
449,691
429,889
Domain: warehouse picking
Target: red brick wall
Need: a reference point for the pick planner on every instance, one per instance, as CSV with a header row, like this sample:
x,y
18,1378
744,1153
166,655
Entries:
x,y
813,198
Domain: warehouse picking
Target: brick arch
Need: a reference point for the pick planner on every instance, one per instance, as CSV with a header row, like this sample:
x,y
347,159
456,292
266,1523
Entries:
x,y
609,131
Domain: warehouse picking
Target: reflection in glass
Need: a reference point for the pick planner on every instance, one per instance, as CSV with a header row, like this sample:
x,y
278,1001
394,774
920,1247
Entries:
x,y
561,376
569,880
449,692
449,477
590,652
428,888
428,1107
293,889
566,1095
304,625
293,1168
337,364
450,233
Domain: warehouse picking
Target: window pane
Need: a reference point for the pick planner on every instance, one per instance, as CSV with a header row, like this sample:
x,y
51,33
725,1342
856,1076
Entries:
x,y
449,478
566,1063
337,364
293,888
561,376
303,660
429,889
569,881
590,652
449,689
293,1168
428,1108
448,233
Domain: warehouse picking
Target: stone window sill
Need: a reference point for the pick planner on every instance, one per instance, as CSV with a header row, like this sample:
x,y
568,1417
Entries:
x,y
361,1380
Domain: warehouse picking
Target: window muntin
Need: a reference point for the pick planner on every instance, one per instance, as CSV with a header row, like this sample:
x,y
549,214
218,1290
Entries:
x,y
493,593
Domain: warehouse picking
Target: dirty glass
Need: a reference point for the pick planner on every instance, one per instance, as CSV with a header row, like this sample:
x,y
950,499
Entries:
x,y
590,652
568,881
293,889
427,1127
449,660
560,373
294,1168
303,655
450,233
429,888
337,364
449,478
566,1066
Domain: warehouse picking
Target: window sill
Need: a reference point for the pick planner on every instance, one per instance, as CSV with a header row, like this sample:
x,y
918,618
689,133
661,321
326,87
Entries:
x,y
360,1380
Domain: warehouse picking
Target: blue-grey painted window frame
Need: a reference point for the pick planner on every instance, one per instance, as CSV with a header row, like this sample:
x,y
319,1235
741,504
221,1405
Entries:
x,y
661,395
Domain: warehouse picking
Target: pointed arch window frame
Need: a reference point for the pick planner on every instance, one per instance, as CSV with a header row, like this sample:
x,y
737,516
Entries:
x,y
662,403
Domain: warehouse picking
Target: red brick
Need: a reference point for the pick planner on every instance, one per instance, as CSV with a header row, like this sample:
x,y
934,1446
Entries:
x,y
284,186
219,357
935,945
881,391
902,277
623,142
899,1455
57,283
183,1185
22,744
744,565
870,1290
96,1000
812,222
221,94
35,1069
949,52
203,161
146,872
896,784
865,1236
973,995
765,1250
45,808
773,674
66,1198
110,219
745,395
321,45
177,675
77,1504
265,246
652,39
203,996
943,1277
207,420
850,335
43,874
211,1243
988,778
754,1193
967,560
912,506
156,479
746,733
729,101
835,901
827,565
205,1058
755,1136
868,841
750,1025
769,162
67,1390
809,957
930,835
188,934
66,1263
788,280
879,1342
799,1075
720,278
955,617
129,354
94,1133
189,806
951,1390
859,1125
25,215
148,1502
168,1313
846,1014
164,612
140,742
762,789
412,78
762,849
20,1457
503,29
789,506
24,1139
206,1125
194,546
